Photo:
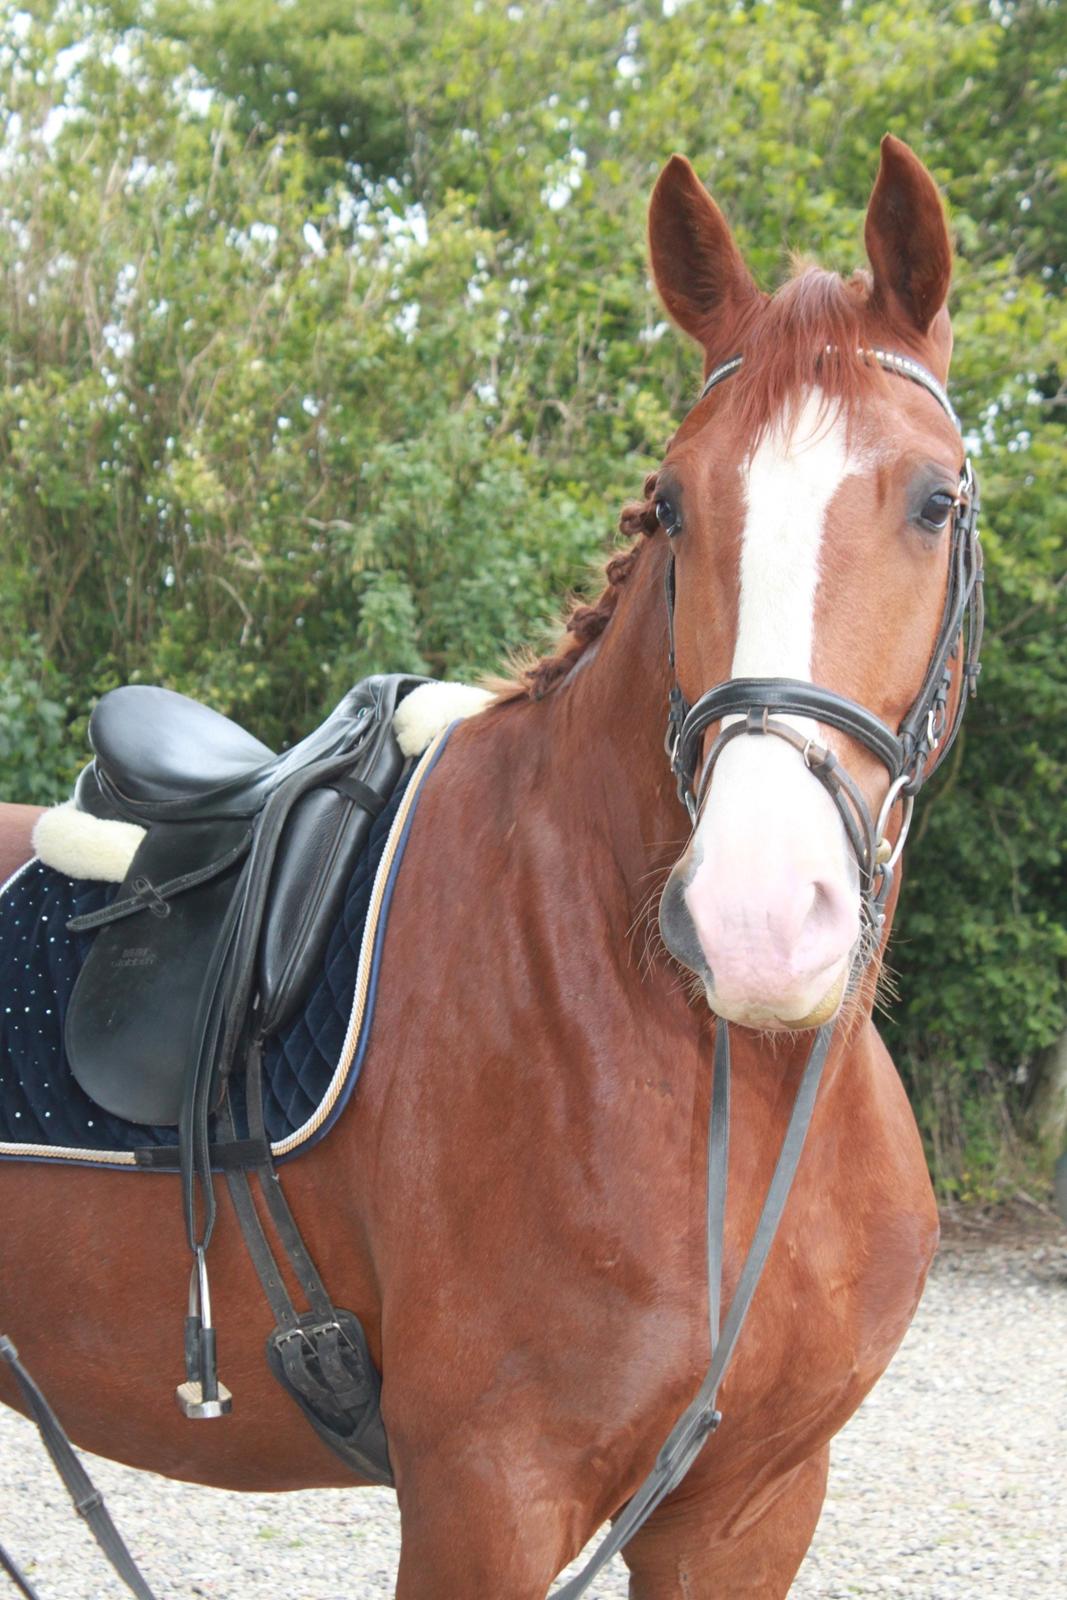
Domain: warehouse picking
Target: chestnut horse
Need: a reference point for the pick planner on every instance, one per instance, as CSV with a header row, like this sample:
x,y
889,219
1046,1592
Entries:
x,y
514,1204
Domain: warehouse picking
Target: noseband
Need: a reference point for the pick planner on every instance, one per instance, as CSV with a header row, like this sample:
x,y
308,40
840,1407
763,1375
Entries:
x,y
928,729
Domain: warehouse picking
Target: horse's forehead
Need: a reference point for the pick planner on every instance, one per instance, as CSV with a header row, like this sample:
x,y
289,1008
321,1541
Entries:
x,y
812,435
893,421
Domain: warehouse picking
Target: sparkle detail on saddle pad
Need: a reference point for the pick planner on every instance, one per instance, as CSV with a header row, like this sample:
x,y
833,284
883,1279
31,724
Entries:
x,y
310,1068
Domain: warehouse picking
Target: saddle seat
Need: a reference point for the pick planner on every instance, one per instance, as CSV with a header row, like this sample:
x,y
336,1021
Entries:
x,y
163,757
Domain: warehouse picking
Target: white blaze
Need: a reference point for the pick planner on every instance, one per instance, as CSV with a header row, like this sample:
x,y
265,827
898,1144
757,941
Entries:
x,y
788,484
769,833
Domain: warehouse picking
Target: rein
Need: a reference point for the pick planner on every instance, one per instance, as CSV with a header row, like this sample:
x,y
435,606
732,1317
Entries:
x,y
927,731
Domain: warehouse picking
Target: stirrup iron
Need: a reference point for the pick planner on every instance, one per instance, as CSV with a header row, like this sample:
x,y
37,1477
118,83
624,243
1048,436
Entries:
x,y
201,1396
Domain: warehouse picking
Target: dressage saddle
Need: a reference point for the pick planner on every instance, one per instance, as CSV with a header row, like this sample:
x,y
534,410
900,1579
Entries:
x,y
230,899
208,948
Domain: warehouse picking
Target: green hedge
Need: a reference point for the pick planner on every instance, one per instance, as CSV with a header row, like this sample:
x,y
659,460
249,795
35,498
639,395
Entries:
x,y
328,345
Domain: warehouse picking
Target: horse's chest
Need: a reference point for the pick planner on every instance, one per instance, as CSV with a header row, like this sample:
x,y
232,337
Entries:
x,y
837,1302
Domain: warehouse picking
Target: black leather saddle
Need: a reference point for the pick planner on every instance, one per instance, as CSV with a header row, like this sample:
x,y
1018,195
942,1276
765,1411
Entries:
x,y
208,948
225,912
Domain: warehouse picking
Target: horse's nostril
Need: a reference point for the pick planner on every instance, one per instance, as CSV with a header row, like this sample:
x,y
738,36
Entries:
x,y
677,925
773,940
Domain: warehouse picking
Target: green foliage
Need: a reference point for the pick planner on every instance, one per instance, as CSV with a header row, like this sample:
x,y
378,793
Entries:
x,y
34,742
328,345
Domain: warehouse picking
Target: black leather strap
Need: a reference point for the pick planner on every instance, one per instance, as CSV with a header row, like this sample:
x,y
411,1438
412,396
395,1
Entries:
x,y
788,697
220,1027
838,782
700,1418
321,1355
154,896
225,1156
718,1169
88,1501
17,1576
362,793
311,1285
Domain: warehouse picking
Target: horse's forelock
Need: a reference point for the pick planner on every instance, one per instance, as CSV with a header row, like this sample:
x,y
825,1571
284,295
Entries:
x,y
811,332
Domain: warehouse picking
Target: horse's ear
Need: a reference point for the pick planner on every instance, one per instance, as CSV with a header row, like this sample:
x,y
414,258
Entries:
x,y
907,239
696,264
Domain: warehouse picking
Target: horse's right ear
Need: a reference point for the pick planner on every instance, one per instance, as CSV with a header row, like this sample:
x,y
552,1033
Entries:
x,y
696,264
907,239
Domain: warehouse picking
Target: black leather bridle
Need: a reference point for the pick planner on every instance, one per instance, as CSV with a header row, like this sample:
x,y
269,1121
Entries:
x,y
927,731
908,755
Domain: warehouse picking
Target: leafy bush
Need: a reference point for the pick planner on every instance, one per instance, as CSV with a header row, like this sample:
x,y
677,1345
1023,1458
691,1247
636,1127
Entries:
x,y
328,345
34,737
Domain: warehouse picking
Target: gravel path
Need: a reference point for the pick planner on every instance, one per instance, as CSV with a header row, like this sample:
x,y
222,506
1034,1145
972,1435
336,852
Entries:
x,y
949,1484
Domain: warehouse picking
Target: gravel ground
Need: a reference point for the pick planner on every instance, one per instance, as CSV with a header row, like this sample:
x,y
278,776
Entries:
x,y
949,1484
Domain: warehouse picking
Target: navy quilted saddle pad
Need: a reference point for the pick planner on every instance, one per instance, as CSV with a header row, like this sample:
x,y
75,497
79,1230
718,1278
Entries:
x,y
310,1069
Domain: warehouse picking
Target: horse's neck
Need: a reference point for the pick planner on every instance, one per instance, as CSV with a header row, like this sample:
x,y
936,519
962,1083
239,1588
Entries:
x,y
611,778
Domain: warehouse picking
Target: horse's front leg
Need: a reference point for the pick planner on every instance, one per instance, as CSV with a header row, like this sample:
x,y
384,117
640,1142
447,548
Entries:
x,y
704,1546
480,1522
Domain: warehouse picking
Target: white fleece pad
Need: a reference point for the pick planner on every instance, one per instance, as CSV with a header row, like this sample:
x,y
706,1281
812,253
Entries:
x,y
82,846
429,709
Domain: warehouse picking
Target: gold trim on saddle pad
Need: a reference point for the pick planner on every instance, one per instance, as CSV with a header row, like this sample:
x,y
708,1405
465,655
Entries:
x,y
366,958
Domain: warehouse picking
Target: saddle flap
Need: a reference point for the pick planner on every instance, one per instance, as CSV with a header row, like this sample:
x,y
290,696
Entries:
x,y
131,1027
323,840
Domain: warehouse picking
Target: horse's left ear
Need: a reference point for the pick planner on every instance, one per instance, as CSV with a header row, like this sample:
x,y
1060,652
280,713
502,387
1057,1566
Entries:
x,y
698,269
907,239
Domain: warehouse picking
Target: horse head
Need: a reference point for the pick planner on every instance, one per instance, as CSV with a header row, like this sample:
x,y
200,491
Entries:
x,y
820,516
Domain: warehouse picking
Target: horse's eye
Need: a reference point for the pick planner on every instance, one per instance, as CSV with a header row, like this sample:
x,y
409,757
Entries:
x,y
937,510
668,518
